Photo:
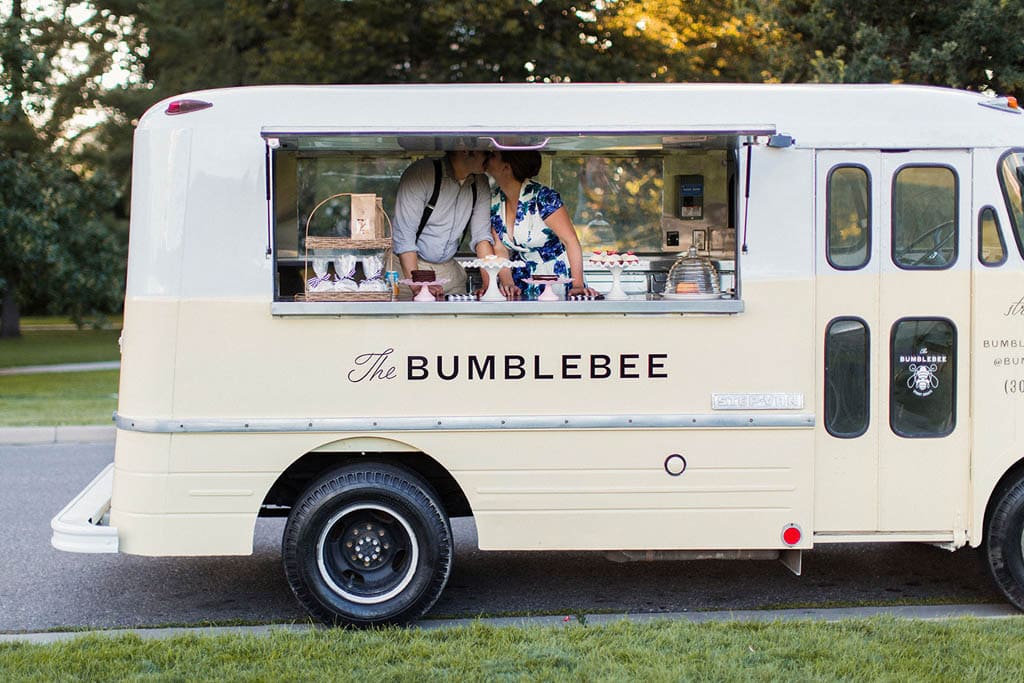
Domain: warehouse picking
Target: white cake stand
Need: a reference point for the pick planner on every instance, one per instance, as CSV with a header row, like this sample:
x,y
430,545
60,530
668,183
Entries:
x,y
424,293
548,294
492,266
617,293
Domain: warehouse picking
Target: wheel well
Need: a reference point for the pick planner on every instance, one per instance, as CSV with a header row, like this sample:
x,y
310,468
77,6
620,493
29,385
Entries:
x,y
1011,477
301,473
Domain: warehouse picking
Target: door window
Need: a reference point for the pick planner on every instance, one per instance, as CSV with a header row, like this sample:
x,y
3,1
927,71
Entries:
x,y
846,377
849,217
924,209
922,391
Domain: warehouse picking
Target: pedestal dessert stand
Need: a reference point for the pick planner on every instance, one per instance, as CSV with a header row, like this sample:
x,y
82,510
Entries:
x,y
547,294
616,293
492,266
424,293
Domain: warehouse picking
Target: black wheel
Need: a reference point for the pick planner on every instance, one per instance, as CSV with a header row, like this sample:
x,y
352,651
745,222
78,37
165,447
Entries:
x,y
367,544
1004,544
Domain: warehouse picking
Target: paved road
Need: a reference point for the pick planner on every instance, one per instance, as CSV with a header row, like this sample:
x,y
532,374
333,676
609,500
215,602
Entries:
x,y
42,588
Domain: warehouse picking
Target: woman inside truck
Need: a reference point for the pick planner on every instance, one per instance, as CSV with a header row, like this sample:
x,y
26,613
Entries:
x,y
535,232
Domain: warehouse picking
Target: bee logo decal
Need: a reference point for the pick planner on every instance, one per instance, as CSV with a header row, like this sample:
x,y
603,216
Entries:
x,y
922,380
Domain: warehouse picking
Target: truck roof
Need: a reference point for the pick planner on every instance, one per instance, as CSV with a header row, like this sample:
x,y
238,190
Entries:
x,y
817,115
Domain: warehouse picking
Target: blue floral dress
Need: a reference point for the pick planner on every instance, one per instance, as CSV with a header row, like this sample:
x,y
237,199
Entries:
x,y
532,245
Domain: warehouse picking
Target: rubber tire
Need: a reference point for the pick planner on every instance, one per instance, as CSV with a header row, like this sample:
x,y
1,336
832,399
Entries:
x,y
377,484
1003,553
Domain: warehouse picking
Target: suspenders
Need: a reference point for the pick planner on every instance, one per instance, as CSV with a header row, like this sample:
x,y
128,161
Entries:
x,y
429,208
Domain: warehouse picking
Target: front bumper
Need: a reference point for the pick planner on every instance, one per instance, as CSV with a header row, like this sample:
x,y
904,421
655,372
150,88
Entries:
x,y
81,526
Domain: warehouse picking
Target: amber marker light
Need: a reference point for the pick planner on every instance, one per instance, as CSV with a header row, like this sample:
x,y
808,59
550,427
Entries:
x,y
1011,102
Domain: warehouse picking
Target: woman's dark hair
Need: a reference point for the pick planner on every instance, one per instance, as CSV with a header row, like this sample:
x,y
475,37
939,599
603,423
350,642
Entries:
x,y
525,163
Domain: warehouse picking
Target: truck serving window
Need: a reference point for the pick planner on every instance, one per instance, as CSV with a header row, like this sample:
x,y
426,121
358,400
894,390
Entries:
x,y
648,198
922,392
924,227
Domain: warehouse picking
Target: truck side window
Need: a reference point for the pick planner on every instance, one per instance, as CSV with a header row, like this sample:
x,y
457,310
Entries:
x,y
991,247
922,390
1011,179
846,378
849,217
924,227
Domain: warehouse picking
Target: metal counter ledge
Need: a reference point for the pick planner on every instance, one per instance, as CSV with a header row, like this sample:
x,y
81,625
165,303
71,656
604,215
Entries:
x,y
638,305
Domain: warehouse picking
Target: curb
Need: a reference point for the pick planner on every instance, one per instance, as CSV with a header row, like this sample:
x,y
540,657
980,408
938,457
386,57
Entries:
x,y
911,612
27,436
62,367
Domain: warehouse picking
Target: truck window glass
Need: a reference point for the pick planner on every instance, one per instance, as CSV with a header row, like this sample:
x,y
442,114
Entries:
x,y
846,378
849,217
924,228
613,201
1011,178
922,390
319,177
991,247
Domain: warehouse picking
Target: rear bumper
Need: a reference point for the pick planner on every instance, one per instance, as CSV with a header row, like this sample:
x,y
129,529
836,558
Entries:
x,y
80,527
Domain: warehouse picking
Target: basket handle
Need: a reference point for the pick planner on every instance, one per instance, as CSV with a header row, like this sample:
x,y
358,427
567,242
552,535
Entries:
x,y
391,256
317,208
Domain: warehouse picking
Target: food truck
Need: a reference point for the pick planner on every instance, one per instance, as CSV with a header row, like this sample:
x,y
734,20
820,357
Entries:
x,y
811,332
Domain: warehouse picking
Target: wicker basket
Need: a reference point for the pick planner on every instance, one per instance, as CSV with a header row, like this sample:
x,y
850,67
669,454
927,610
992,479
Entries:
x,y
344,296
347,244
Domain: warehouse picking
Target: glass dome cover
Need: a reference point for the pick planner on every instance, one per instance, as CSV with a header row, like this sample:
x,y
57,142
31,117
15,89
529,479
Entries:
x,y
692,275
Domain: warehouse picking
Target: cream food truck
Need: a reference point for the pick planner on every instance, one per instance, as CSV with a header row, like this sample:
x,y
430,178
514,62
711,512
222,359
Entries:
x,y
817,338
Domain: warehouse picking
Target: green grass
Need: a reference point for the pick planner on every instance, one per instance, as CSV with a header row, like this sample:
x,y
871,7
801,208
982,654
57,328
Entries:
x,y
91,322
64,398
863,650
50,347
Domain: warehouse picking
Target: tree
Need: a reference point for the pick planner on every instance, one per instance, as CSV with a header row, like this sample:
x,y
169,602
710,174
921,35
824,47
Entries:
x,y
702,40
54,244
970,44
183,45
191,44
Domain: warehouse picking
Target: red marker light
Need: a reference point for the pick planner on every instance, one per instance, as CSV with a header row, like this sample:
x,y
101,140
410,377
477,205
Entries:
x,y
791,534
186,106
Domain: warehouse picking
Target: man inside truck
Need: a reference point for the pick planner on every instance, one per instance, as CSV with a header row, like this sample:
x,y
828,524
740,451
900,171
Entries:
x,y
438,200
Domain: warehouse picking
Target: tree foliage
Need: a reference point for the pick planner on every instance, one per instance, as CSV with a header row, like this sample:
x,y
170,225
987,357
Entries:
x,y
972,44
184,45
56,250
703,40
189,44
55,247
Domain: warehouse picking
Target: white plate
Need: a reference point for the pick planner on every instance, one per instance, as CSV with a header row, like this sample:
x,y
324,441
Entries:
x,y
690,297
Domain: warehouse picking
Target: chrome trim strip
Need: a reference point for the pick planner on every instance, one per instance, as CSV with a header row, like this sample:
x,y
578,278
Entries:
x,y
462,423
283,131
638,306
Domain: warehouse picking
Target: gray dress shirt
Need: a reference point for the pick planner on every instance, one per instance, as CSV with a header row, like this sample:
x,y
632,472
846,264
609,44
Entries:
x,y
441,235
